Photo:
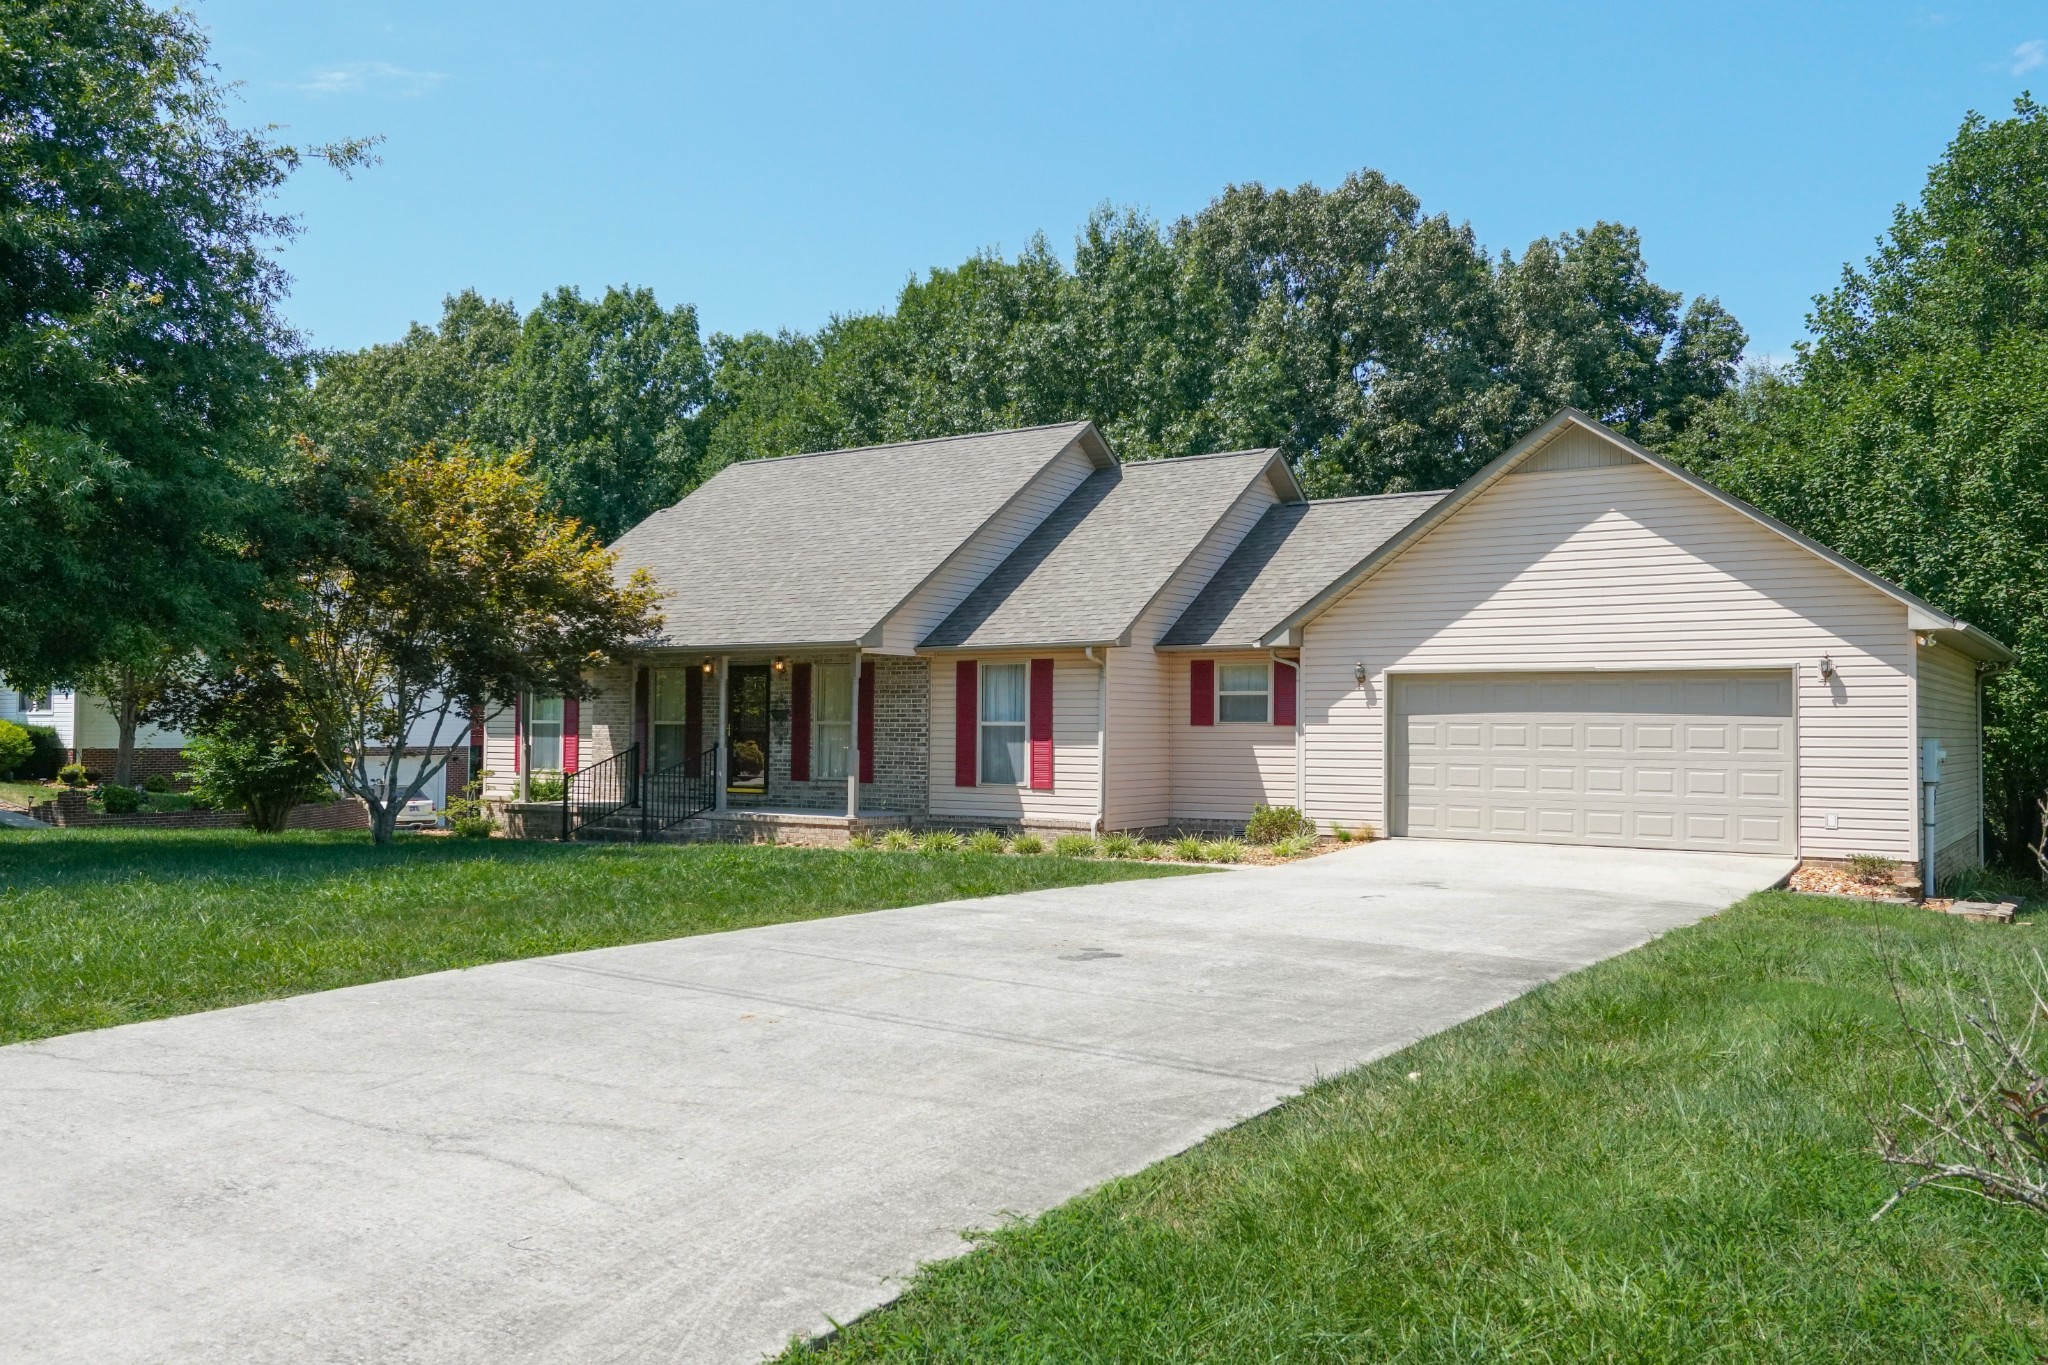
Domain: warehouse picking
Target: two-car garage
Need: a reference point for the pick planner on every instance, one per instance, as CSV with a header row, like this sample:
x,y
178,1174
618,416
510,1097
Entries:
x,y
1691,760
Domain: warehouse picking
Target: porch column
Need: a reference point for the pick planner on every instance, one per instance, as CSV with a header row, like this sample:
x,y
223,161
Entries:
x,y
724,758
853,746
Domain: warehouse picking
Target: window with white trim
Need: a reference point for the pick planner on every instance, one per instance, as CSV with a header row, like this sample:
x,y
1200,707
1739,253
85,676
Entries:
x,y
831,719
1244,692
1005,692
544,733
669,716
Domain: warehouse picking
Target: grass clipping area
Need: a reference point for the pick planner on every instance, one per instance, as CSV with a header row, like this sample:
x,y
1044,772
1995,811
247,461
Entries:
x,y
1667,1157
109,927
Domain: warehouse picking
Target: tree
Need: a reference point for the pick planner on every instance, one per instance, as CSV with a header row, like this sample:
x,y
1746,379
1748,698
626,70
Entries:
x,y
249,762
140,348
133,675
1912,432
454,588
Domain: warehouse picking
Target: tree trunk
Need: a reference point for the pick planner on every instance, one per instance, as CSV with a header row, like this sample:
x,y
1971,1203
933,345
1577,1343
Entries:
x,y
383,821
125,706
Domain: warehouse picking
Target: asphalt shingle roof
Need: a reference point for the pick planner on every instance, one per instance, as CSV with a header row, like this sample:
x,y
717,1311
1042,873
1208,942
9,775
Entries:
x,y
1295,551
1087,572
818,549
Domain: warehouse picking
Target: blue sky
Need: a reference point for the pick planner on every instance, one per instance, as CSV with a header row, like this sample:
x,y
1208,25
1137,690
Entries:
x,y
775,164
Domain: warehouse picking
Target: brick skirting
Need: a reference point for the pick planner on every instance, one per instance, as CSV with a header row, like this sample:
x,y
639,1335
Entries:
x,y
148,762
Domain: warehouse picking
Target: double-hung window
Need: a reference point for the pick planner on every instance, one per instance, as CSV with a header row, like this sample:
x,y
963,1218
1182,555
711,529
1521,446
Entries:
x,y
1244,692
1004,706
831,719
544,733
670,718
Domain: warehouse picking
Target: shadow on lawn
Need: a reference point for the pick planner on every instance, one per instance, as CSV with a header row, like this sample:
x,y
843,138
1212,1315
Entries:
x,y
57,859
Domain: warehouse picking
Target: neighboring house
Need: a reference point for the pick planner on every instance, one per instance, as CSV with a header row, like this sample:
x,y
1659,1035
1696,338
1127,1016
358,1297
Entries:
x,y
1580,644
89,733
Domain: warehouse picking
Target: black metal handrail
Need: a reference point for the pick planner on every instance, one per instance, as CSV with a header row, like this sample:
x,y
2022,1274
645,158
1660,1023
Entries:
x,y
601,791
679,791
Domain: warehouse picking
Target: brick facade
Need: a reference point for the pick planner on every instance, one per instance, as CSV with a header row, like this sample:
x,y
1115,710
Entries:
x,y
148,762
902,743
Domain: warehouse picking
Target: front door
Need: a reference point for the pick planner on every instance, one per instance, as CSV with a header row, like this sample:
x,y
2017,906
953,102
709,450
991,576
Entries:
x,y
746,728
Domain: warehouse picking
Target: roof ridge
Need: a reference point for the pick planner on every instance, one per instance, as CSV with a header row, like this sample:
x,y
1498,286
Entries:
x,y
1374,497
1268,451
898,445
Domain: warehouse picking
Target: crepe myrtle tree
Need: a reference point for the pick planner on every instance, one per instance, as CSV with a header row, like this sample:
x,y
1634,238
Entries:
x,y
451,588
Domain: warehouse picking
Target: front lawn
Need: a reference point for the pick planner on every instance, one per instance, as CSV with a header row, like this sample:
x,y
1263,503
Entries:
x,y
1663,1158
108,927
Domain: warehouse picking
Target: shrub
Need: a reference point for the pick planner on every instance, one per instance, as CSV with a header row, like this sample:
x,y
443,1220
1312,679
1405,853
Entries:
x,y
1074,846
1295,845
472,826
1223,851
1119,846
73,775
167,801
16,748
1869,868
120,800
238,765
156,782
1365,834
1342,835
1189,848
1989,884
48,757
942,841
547,786
860,840
1147,850
899,841
1271,824
985,841
1027,844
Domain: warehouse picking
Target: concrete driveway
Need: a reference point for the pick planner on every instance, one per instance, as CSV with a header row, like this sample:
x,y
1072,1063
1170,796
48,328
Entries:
x,y
691,1150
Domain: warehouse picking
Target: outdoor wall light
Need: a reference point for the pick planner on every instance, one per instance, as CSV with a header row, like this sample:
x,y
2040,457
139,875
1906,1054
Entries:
x,y
1360,672
707,665
778,665
1827,667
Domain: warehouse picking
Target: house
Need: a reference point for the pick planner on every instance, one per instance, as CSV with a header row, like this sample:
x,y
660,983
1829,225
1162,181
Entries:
x,y
1580,644
89,732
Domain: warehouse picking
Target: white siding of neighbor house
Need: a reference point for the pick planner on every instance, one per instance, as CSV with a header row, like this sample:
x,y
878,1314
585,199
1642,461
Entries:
x,y
1141,746
1076,715
14,706
1624,566
935,599
1221,771
94,727
1948,712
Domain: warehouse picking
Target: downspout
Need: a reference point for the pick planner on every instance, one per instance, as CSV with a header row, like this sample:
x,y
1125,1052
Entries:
x,y
1101,739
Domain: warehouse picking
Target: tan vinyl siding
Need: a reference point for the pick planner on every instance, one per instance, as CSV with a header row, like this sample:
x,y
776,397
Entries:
x,y
1948,712
989,547
1075,716
1624,567
499,747
1221,771
1140,773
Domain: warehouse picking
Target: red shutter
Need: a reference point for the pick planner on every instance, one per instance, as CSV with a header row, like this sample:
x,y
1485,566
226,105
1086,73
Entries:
x,y
1201,691
1041,725
693,712
799,722
867,720
966,714
1283,693
572,743
518,733
641,683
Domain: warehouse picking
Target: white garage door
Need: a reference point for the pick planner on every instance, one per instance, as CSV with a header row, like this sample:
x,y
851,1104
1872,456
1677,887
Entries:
x,y
1633,760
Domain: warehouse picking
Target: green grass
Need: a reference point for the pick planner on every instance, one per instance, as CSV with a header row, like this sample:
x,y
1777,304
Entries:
x,y
108,927
22,795
1663,1158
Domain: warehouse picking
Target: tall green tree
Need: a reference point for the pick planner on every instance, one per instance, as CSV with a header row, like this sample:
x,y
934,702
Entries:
x,y
140,347
1912,431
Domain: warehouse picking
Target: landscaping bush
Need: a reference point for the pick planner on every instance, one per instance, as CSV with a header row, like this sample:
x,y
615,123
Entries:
x,y
899,841
942,841
1189,848
120,800
860,839
238,766
985,841
1869,868
1027,844
1119,846
16,748
1341,834
1271,824
42,765
548,786
73,775
1989,884
1295,846
1148,851
156,782
1074,846
1223,851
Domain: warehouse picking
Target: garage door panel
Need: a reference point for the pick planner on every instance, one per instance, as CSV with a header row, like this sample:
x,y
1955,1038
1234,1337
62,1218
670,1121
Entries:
x,y
1650,760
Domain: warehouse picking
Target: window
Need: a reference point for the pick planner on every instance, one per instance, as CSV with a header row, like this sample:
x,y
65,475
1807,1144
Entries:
x,y
544,731
35,703
1242,692
1004,689
831,719
670,716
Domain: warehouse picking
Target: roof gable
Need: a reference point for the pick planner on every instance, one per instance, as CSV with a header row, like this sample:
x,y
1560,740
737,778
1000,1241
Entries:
x,y
820,549
1551,447
1087,572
